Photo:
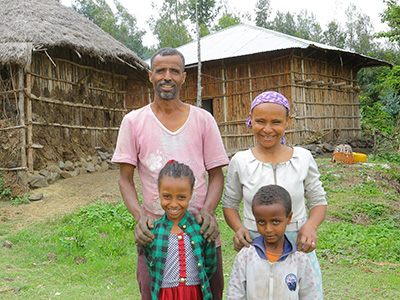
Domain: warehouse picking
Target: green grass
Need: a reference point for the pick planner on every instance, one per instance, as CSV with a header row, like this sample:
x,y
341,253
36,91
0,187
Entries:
x,y
359,244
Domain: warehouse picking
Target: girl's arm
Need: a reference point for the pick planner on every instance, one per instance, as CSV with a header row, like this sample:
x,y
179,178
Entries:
x,y
210,258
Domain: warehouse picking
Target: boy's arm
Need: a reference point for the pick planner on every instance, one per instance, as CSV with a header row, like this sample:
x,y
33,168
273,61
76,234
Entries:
x,y
307,281
237,281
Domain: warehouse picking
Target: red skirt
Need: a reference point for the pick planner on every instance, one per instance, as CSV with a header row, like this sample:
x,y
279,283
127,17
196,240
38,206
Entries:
x,y
181,292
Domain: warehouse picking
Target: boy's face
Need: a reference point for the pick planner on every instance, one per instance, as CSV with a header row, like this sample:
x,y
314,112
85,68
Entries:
x,y
271,223
175,195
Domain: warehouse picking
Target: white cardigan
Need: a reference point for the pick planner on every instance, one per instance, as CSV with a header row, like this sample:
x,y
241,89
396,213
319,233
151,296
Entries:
x,y
299,176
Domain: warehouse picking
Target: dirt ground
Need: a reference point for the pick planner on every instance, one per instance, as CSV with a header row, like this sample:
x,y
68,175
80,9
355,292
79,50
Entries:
x,y
66,196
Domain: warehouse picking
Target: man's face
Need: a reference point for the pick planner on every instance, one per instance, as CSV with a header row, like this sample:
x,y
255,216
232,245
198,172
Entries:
x,y
167,76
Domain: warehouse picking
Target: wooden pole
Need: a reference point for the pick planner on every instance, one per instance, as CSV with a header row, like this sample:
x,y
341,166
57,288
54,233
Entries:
x,y
199,87
21,108
29,121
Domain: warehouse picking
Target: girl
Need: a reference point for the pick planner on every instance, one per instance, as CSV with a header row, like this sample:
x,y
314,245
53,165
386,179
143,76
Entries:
x,y
272,162
179,259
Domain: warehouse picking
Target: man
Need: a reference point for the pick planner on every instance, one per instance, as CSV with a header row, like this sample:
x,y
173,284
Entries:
x,y
163,130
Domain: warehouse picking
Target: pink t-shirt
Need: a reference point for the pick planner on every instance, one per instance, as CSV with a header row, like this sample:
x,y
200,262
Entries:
x,y
145,143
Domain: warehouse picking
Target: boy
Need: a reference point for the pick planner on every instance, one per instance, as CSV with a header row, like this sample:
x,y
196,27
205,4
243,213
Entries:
x,y
272,268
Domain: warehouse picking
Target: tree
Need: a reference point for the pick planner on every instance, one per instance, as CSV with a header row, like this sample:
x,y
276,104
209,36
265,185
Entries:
x,y
334,35
207,13
226,20
391,15
121,25
308,27
284,22
359,31
170,28
263,11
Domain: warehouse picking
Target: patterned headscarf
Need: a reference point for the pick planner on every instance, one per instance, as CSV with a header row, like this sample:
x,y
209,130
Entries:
x,y
269,97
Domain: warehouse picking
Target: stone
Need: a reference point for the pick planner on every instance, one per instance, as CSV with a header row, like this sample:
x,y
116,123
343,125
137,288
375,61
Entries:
x,y
45,173
82,171
36,197
74,172
83,163
328,147
61,165
38,181
53,168
104,166
12,165
102,155
16,289
51,256
113,166
95,160
7,244
89,158
90,167
69,166
97,168
79,260
65,174
53,177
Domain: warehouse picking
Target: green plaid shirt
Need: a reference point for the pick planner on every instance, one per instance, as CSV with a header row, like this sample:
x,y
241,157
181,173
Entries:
x,y
156,253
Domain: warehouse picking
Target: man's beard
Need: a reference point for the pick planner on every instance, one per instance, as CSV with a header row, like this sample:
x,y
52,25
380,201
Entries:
x,y
166,96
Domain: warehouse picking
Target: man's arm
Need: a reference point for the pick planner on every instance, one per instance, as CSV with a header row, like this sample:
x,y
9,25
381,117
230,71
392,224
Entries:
x,y
206,215
142,234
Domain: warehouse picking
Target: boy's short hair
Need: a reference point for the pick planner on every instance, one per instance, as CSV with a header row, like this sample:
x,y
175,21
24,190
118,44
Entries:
x,y
175,170
271,194
167,51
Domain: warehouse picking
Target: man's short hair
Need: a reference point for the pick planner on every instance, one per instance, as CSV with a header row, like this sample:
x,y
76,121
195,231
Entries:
x,y
166,52
271,194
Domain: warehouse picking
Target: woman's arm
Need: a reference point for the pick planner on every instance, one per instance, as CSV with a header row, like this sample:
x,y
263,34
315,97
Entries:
x,y
242,236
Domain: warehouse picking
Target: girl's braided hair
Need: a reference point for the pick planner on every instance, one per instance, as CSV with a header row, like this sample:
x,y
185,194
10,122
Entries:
x,y
175,169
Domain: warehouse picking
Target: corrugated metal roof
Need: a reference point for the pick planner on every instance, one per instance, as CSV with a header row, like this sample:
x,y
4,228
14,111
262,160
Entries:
x,y
244,39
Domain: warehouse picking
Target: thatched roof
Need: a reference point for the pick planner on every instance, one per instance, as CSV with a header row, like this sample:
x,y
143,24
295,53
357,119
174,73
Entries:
x,y
29,24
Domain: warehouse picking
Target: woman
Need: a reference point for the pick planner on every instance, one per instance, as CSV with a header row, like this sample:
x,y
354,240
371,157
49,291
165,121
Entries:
x,y
272,162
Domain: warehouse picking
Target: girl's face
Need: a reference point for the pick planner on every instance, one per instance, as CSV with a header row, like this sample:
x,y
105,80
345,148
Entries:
x,y
269,122
271,223
175,194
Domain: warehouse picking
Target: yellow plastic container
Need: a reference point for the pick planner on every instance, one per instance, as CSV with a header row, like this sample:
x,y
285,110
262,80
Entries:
x,y
359,157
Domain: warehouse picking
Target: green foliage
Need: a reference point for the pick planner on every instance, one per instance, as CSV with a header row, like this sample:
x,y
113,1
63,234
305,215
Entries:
x,y
6,194
263,11
121,25
227,20
207,11
169,27
379,242
391,16
334,35
100,229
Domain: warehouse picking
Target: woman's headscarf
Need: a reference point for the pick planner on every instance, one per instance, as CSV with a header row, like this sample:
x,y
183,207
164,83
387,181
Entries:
x,y
269,97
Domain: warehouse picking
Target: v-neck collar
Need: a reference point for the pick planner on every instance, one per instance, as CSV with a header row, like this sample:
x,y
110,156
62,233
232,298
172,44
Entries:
x,y
165,128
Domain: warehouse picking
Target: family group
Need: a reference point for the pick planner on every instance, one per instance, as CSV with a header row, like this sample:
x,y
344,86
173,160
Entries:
x,y
178,152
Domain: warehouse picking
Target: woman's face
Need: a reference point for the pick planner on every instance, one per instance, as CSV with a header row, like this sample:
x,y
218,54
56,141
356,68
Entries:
x,y
269,121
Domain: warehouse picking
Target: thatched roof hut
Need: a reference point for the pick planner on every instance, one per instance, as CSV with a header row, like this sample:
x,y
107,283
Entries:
x,y
64,84
30,25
